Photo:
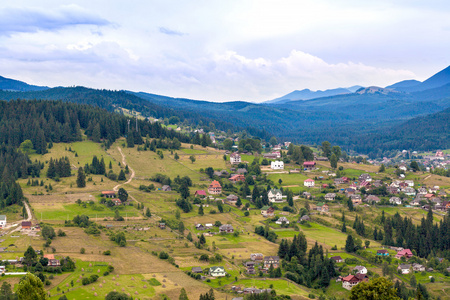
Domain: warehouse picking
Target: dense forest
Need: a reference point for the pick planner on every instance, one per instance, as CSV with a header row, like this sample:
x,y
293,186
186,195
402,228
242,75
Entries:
x,y
36,124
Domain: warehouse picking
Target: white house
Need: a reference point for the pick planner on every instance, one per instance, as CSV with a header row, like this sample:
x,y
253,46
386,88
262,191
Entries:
x,y
360,269
405,269
275,196
235,158
217,271
2,221
309,182
410,183
395,200
282,220
277,165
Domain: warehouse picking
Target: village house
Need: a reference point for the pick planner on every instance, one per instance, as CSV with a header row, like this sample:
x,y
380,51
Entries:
x,y
322,207
199,227
196,270
337,259
270,156
365,177
392,190
382,252
309,182
26,225
372,199
166,188
330,196
395,200
54,263
410,183
226,228
309,165
271,260
306,195
349,281
215,188
237,178
242,171
418,267
267,211
277,165
217,271
356,198
404,253
117,201
162,225
338,181
360,269
275,196
409,191
2,221
304,219
235,158
108,194
404,268
364,184
422,191
362,277
282,220
377,183
209,225
231,198
200,193
350,191
257,257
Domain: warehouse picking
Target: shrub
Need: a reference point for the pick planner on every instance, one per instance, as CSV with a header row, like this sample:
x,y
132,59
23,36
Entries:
x,y
107,252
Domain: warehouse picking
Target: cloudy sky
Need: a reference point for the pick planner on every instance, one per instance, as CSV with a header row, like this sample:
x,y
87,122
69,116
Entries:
x,y
222,50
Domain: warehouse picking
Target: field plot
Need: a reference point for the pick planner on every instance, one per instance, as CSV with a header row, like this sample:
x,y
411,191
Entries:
x,y
281,286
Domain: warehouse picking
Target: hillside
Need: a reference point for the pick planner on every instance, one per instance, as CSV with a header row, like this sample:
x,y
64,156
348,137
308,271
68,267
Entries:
x,y
20,86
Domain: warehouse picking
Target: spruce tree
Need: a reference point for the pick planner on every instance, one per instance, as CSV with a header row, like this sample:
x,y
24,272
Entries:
x,y
121,176
148,214
81,178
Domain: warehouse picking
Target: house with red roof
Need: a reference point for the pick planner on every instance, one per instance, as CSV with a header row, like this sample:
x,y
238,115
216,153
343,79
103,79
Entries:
x,y
200,193
237,178
108,194
349,281
309,182
309,165
404,253
215,188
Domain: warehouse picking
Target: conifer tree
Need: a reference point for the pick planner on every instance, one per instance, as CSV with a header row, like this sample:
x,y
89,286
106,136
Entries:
x,y
81,178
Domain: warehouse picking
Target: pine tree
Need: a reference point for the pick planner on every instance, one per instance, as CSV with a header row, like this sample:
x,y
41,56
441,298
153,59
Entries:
x,y
121,176
349,244
81,178
200,210
148,214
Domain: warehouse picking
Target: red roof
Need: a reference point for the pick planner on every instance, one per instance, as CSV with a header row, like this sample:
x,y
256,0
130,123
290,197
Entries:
x,y
215,184
309,180
108,192
309,163
350,278
200,193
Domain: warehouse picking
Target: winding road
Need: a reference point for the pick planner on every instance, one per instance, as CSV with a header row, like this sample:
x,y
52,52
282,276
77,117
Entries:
x,y
116,188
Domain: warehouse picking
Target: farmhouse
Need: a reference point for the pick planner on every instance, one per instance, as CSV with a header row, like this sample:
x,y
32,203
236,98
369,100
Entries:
x,y
418,267
109,194
349,281
338,181
116,201
382,252
271,260
282,220
200,193
267,211
196,270
304,218
337,259
362,277
54,263
365,177
257,257
360,269
199,227
231,198
356,198
395,200
309,182
217,271
404,253
26,225
226,228
372,199
404,268
166,188
235,158
162,225
323,207
215,188
275,196
277,165
330,196
309,165
237,178
2,221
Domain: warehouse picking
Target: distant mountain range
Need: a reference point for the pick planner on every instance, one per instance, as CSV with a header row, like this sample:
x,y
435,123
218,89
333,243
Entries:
x,y
19,86
369,120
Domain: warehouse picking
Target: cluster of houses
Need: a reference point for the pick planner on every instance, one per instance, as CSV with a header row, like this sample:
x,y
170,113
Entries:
x,y
263,263
112,195
225,228
360,275
247,291
215,271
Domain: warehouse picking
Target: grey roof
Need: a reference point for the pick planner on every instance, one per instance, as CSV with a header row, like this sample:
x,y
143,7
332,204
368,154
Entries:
x,y
2,218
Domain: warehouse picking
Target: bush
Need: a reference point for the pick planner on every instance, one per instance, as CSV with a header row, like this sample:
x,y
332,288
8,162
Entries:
x,y
85,281
107,252
106,273
163,255
246,213
82,251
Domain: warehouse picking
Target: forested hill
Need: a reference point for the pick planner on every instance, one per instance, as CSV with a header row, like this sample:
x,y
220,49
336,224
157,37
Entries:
x,y
44,122
420,133
111,100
